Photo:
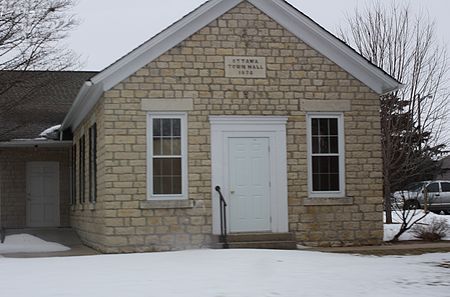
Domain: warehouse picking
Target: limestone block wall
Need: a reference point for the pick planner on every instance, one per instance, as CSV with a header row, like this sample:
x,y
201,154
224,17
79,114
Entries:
x,y
13,162
299,79
88,217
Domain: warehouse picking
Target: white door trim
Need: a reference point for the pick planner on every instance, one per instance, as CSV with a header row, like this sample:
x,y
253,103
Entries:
x,y
272,127
56,222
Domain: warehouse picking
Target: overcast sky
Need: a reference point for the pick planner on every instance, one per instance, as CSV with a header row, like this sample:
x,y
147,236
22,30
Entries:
x,y
111,28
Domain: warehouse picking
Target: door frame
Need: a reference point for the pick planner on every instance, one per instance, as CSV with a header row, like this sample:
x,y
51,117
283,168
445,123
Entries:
x,y
58,197
271,127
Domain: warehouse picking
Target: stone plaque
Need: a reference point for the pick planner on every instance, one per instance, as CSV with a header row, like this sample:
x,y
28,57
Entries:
x,y
247,67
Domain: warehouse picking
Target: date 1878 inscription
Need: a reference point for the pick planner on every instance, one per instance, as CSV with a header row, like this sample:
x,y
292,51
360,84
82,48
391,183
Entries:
x,y
250,67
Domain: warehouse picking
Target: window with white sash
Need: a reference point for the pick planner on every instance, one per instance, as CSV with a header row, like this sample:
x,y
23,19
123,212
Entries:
x,y
326,174
167,156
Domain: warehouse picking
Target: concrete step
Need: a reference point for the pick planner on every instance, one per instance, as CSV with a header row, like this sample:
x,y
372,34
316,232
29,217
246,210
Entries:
x,y
282,241
277,245
255,237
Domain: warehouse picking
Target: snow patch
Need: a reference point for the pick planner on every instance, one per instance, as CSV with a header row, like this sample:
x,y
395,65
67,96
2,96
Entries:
x,y
25,243
391,229
50,132
227,273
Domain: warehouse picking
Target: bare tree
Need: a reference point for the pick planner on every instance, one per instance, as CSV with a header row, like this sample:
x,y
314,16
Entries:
x,y
31,38
405,46
32,34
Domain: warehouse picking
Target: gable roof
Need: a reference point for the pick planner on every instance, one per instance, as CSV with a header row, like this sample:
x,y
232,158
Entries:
x,y
33,101
279,10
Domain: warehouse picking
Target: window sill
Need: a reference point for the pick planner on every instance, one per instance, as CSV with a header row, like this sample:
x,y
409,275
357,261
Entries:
x,y
328,201
158,204
91,206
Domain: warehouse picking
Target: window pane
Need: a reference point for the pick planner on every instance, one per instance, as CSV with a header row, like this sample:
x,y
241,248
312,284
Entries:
x,y
176,166
167,185
315,145
156,127
324,182
323,127
334,144
167,176
166,167
333,127
176,184
334,165
445,187
157,147
157,185
433,188
166,127
317,182
176,123
315,127
334,182
325,173
176,146
157,167
324,145
166,147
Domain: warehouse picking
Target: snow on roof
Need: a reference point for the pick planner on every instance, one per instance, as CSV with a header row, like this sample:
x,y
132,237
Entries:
x,y
50,132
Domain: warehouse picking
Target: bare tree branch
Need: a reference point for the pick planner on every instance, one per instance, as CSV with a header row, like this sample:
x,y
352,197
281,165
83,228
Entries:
x,y
405,45
32,33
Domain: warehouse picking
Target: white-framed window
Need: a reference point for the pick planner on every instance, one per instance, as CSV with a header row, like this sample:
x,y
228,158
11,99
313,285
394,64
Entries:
x,y
167,156
326,155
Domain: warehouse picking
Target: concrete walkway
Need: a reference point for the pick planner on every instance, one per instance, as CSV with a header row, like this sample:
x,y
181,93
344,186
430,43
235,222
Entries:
x,y
68,237
64,236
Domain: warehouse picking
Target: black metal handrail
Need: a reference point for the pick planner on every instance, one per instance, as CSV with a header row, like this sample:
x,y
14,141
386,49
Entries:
x,y
223,218
2,234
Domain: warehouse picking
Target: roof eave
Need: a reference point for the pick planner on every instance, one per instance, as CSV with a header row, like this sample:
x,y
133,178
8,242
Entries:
x,y
34,143
84,102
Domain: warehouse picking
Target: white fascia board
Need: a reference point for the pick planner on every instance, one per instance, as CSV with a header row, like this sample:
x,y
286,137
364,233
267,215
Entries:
x,y
163,42
85,101
328,45
67,122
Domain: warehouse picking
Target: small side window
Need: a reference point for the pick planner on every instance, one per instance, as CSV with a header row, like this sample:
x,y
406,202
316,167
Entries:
x,y
445,187
433,188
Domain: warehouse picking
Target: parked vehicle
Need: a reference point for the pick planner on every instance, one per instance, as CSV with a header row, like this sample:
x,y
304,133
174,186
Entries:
x,y
414,196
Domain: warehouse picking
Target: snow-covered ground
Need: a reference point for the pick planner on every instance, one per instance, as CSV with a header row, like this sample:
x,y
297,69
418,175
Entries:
x,y
24,243
222,273
391,229
227,273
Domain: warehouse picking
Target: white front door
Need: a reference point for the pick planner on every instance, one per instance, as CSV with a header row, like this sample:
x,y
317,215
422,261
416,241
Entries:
x,y
249,184
249,164
42,194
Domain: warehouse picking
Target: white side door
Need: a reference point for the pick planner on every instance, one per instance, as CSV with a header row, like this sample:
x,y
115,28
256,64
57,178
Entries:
x,y
42,194
249,184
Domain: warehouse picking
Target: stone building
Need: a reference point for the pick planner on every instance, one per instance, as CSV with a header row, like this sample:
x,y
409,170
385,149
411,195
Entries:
x,y
251,96
30,102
